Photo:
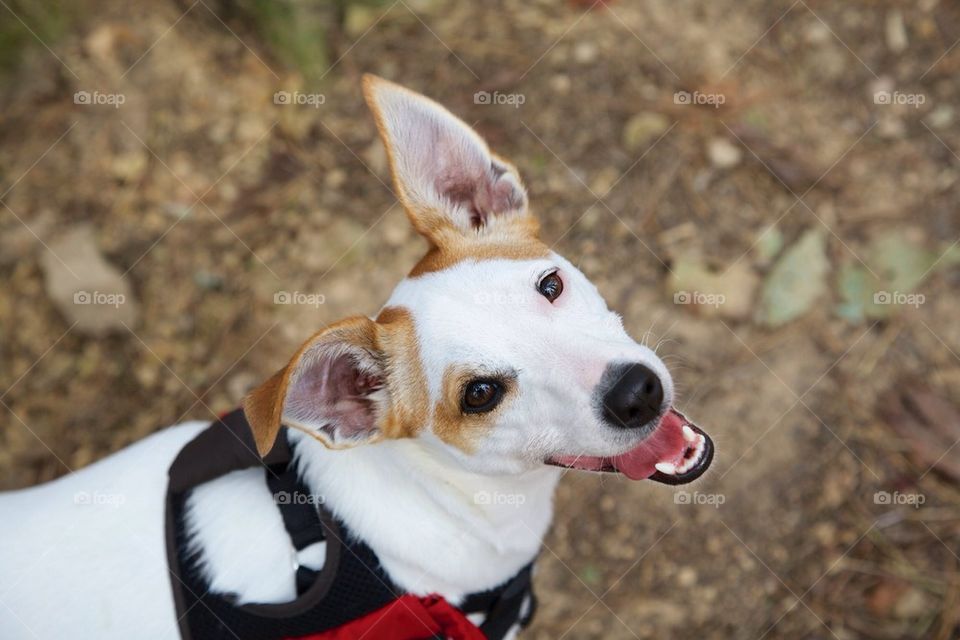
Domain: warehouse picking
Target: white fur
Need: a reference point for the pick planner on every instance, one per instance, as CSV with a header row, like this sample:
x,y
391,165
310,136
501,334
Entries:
x,y
84,556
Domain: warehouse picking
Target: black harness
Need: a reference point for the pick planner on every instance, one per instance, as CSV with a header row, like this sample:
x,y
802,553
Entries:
x,y
351,583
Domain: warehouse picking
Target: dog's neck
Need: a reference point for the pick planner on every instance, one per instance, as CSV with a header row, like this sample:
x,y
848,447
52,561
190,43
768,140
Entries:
x,y
435,527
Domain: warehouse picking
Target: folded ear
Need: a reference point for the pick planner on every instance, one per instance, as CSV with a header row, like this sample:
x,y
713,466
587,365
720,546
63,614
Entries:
x,y
444,173
333,389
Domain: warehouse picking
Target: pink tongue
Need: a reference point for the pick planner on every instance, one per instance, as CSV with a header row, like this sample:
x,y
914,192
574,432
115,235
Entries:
x,y
666,444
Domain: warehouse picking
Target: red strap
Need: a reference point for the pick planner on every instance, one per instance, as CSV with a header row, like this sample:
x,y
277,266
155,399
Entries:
x,y
406,618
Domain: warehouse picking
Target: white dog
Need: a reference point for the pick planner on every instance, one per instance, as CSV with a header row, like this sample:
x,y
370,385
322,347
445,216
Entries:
x,y
421,447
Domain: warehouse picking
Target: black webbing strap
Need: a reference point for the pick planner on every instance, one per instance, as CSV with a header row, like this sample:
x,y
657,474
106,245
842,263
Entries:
x,y
503,606
300,516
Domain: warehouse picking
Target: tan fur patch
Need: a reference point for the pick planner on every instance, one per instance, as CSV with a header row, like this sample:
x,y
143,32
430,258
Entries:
x,y
450,423
406,380
511,239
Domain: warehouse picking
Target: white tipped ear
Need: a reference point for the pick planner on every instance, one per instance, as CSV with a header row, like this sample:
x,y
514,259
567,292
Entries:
x,y
444,172
333,388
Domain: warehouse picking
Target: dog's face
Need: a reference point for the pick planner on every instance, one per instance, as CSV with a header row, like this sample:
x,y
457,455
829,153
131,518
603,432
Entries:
x,y
494,351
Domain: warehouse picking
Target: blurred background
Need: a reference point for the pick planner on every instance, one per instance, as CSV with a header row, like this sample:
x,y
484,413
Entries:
x,y
767,191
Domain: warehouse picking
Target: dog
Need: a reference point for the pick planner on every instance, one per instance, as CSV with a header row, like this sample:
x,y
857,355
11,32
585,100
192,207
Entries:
x,y
426,442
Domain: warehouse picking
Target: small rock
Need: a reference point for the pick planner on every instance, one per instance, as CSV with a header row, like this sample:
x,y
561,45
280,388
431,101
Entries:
x,y
687,577
912,604
335,178
816,32
723,153
87,289
129,166
585,52
643,128
604,180
560,83
896,32
891,127
941,117
727,293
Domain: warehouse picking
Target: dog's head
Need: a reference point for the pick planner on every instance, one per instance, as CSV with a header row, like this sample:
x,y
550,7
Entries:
x,y
494,350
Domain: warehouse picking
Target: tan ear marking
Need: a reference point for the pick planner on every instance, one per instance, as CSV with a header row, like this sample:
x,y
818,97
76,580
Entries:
x,y
263,408
315,373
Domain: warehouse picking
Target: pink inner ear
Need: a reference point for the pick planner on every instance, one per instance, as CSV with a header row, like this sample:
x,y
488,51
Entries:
x,y
439,156
331,393
484,191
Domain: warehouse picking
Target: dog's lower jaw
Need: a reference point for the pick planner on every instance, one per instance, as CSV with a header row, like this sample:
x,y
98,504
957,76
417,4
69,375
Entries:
x,y
435,528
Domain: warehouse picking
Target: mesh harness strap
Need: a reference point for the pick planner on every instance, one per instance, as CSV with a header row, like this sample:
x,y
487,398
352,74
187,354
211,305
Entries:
x,y
351,583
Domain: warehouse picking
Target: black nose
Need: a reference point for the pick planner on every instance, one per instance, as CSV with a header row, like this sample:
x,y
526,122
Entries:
x,y
634,396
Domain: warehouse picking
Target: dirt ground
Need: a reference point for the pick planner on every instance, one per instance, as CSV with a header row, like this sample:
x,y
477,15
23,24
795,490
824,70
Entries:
x,y
208,197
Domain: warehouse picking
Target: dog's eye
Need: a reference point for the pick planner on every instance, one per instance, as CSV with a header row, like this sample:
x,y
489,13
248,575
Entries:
x,y
480,396
551,286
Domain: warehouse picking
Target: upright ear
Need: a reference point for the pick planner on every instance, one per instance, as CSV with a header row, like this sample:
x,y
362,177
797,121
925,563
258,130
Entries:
x,y
444,173
333,388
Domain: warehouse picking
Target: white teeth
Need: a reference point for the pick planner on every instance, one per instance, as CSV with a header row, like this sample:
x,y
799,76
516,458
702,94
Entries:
x,y
689,434
666,467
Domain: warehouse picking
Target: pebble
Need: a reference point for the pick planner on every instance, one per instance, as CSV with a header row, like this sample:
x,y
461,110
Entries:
x,y
585,52
91,293
941,117
644,128
724,154
896,32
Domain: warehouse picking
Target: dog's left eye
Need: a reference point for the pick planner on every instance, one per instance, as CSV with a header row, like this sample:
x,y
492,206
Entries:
x,y
551,286
480,396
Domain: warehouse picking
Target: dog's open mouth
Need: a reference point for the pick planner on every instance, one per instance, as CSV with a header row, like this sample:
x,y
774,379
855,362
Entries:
x,y
677,452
